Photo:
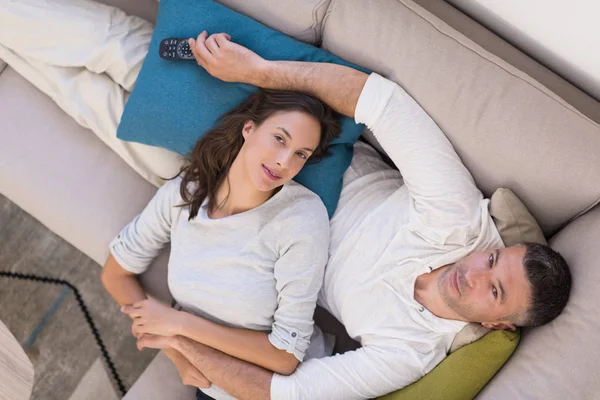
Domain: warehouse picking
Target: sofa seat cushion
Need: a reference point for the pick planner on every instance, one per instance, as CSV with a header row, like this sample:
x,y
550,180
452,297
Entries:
x,y
509,130
160,381
560,360
65,177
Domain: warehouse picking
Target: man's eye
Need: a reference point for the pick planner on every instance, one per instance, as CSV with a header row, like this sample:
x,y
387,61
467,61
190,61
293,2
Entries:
x,y
495,292
279,139
302,155
491,260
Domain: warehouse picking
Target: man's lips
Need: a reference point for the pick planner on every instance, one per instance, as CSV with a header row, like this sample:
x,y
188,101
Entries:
x,y
270,174
456,282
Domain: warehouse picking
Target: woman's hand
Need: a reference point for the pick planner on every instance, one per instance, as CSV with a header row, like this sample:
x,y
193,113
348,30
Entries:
x,y
150,316
226,60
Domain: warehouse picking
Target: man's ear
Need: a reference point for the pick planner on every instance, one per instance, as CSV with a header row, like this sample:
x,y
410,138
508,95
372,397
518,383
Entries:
x,y
499,325
248,128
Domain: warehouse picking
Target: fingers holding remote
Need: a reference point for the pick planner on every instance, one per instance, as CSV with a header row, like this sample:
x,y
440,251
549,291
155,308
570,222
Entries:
x,y
224,59
200,51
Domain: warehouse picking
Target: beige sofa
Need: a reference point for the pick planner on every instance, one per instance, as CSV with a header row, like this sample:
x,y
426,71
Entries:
x,y
514,123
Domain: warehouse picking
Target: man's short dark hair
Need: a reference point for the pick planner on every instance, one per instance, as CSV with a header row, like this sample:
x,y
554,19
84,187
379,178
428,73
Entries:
x,y
550,281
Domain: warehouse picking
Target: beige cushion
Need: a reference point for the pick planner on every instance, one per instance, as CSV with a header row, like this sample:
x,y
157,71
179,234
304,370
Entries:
x,y
560,360
515,225
508,128
512,219
301,19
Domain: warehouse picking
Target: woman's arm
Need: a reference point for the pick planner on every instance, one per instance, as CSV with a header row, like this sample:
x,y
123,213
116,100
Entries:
x,y
152,317
245,344
136,246
121,284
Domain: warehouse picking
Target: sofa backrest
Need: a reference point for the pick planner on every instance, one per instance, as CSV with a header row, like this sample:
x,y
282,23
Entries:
x,y
509,129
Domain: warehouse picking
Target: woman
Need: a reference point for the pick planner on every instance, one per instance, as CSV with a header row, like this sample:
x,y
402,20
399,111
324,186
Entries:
x,y
248,246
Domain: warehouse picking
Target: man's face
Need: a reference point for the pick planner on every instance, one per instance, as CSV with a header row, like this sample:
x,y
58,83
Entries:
x,y
488,287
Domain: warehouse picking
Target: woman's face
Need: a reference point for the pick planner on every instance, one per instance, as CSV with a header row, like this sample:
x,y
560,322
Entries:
x,y
276,150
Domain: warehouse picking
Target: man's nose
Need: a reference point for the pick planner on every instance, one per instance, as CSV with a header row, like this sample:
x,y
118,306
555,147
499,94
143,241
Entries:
x,y
475,276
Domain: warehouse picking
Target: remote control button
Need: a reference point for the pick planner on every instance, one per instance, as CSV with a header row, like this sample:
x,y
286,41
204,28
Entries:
x,y
164,54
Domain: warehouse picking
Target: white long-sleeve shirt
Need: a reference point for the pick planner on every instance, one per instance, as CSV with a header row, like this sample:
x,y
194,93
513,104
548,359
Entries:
x,y
389,229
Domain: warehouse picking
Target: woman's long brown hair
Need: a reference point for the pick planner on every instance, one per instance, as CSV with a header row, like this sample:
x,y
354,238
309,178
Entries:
x,y
208,164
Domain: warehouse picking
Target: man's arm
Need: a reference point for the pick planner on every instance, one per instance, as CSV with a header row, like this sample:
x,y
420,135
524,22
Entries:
x,y
243,380
337,85
443,190
364,373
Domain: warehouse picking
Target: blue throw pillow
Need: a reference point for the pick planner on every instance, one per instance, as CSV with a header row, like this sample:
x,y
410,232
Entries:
x,y
175,102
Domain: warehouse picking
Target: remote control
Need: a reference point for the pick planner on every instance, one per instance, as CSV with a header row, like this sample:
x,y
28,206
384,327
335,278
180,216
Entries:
x,y
175,49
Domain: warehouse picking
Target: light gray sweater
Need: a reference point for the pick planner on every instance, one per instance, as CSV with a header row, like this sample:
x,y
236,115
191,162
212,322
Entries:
x,y
260,270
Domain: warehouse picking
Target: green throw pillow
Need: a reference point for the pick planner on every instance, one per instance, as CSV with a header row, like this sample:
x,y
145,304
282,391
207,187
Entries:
x,y
473,366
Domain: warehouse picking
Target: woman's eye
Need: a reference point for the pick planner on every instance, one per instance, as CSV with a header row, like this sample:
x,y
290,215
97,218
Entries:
x,y
495,292
302,156
491,260
279,139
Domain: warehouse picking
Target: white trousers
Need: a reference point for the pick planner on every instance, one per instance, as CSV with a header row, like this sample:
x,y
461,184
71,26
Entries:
x,y
86,56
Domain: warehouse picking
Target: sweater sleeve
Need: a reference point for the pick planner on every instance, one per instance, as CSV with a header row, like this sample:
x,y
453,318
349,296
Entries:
x,y
138,243
304,249
443,192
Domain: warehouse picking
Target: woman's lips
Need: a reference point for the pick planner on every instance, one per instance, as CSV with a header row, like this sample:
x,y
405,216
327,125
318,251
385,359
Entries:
x,y
270,174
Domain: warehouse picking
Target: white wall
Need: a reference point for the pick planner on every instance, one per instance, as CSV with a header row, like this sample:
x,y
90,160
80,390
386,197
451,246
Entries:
x,y
564,35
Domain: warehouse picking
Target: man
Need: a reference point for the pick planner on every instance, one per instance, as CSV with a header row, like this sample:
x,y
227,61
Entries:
x,y
413,258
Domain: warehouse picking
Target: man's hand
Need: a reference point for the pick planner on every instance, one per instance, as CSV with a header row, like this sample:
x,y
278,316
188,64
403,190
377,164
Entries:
x,y
226,60
189,374
337,85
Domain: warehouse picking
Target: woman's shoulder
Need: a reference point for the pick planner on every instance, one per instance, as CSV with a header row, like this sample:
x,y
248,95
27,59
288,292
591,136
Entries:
x,y
301,209
301,198
171,185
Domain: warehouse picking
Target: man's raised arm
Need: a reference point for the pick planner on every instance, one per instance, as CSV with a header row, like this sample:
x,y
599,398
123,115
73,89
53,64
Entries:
x,y
337,85
444,193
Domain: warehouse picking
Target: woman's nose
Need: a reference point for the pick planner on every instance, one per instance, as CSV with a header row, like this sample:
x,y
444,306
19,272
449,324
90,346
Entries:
x,y
284,159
